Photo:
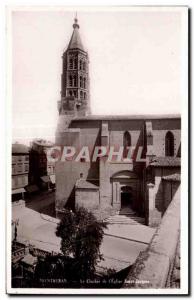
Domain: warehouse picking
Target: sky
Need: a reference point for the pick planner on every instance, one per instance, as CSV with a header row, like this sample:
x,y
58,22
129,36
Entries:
x,y
135,64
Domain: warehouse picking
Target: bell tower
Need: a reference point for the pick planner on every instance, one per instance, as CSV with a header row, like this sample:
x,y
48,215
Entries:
x,y
75,78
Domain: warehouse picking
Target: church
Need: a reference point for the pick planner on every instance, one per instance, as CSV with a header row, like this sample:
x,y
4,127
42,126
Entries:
x,y
145,184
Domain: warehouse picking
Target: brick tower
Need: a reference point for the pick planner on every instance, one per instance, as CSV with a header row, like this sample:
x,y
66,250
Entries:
x,y
75,79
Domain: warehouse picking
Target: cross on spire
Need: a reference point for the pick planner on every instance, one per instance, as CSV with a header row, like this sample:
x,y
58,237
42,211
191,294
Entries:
x,y
75,25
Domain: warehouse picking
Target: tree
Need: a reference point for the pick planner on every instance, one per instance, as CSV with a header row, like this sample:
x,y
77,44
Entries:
x,y
81,236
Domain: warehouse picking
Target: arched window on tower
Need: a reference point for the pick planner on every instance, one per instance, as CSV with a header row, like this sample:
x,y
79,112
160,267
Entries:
x,y
71,63
126,143
80,64
74,80
84,83
80,81
70,80
75,63
169,144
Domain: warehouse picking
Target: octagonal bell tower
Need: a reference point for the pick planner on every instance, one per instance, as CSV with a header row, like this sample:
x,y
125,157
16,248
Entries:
x,y
74,79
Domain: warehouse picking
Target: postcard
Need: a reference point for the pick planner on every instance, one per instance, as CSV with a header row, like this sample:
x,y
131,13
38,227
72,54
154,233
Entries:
x,y
97,181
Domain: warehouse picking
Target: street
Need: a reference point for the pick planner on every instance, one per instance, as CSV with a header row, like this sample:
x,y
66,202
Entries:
x,y
44,203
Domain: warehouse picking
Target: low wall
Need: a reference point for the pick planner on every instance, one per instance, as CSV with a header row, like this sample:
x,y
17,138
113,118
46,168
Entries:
x,y
154,265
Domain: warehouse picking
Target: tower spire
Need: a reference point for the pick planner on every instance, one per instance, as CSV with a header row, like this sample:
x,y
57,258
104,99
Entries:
x,y
75,41
75,25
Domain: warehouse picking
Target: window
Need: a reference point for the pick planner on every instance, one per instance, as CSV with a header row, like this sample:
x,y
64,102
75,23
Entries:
x,y
15,182
84,96
126,143
70,80
84,66
80,64
25,180
75,63
20,181
74,80
80,81
70,93
169,144
19,168
81,95
71,63
84,83
75,93
26,168
13,169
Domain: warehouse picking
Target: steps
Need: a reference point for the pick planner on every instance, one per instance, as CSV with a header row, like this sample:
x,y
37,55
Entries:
x,y
130,218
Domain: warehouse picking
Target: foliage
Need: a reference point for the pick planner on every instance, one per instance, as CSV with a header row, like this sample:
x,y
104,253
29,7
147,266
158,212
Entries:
x,y
81,236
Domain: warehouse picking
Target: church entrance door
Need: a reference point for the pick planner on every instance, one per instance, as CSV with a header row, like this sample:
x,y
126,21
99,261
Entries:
x,y
127,199
126,196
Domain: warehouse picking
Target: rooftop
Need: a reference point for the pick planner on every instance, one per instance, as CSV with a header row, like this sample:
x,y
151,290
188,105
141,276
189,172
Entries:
x,y
19,149
84,184
168,161
29,260
127,117
75,42
173,177
43,142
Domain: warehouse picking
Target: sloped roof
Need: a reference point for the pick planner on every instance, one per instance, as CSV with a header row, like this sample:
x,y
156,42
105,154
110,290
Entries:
x,y
29,260
127,117
83,184
173,177
75,41
19,149
168,161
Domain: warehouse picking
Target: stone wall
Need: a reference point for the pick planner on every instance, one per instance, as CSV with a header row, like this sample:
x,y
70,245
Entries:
x,y
160,128
159,195
154,266
87,198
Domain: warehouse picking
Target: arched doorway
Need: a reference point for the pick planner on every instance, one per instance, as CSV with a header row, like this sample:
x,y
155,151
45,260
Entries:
x,y
126,188
126,197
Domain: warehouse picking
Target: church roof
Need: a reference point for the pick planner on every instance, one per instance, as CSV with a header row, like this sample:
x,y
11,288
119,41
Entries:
x,y
168,161
127,117
75,41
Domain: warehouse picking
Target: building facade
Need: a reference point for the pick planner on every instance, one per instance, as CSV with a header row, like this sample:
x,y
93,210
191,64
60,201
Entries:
x,y
142,157
20,170
42,170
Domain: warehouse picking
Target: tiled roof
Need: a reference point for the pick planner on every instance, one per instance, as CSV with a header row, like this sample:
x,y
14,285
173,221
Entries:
x,y
173,177
83,184
19,149
167,161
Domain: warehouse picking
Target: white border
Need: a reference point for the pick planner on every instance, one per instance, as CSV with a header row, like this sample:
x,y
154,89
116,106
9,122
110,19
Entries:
x,y
184,192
